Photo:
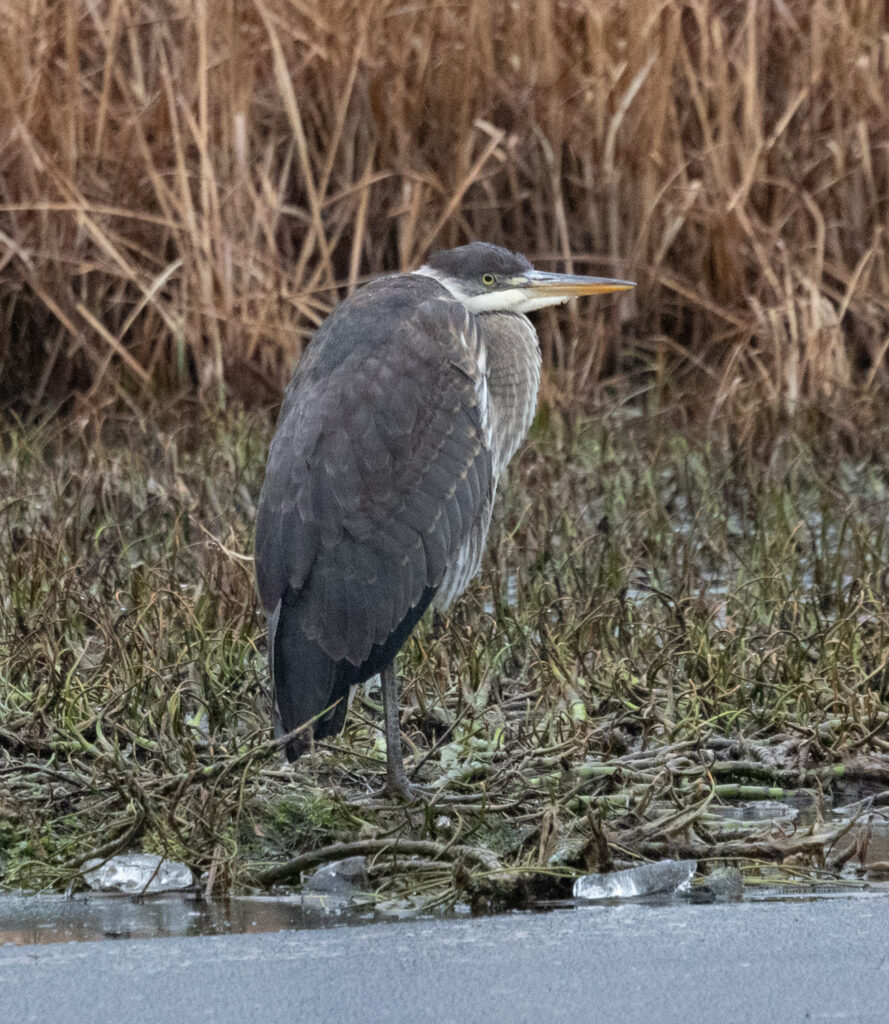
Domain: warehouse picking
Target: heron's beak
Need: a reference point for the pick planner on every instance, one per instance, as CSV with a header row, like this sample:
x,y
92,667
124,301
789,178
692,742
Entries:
x,y
540,284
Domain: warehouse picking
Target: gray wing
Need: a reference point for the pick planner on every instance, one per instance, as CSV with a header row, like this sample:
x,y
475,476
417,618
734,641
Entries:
x,y
379,474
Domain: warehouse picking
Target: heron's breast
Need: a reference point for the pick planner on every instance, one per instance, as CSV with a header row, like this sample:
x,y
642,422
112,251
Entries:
x,y
512,355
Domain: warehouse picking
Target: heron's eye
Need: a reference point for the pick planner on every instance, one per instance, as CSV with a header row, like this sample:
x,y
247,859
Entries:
x,y
488,279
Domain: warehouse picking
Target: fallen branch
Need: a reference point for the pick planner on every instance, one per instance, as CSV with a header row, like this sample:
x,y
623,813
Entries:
x,y
408,847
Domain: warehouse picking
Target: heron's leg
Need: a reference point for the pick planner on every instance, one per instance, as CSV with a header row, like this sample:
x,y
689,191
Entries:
x,y
396,780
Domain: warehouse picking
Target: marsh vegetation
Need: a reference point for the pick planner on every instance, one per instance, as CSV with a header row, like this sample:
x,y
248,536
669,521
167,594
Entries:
x,y
662,628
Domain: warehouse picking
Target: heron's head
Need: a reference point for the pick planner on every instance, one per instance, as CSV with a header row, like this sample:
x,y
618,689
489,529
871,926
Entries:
x,y
488,279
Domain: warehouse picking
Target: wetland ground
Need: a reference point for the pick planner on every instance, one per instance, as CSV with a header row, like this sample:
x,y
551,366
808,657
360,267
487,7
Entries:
x,y
665,633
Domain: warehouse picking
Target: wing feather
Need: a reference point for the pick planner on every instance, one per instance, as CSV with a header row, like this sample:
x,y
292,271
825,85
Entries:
x,y
378,475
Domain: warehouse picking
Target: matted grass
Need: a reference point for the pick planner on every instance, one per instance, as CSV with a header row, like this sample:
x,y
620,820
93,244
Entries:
x,y
660,627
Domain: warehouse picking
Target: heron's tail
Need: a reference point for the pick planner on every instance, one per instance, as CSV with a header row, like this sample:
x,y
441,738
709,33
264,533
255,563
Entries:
x,y
309,685
307,682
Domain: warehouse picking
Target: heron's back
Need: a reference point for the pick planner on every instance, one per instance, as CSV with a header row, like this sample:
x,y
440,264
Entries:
x,y
379,475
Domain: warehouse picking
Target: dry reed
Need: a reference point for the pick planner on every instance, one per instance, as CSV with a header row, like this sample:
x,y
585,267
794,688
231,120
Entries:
x,y
186,186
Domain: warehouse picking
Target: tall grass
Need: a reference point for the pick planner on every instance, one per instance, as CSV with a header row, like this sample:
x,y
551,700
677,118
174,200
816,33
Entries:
x,y
187,186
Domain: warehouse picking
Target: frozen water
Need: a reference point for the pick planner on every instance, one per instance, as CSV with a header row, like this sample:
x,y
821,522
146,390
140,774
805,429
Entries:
x,y
725,884
511,596
663,876
339,877
757,810
136,873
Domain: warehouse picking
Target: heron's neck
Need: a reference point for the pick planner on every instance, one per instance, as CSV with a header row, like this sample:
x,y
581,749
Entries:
x,y
512,355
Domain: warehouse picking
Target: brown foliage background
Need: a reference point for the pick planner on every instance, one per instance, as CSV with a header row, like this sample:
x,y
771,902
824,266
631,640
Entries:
x,y
186,186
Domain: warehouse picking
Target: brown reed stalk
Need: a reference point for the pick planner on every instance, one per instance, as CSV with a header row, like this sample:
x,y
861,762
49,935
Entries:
x,y
188,186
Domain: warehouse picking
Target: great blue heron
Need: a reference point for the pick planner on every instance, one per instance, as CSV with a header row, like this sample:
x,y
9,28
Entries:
x,y
396,426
